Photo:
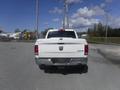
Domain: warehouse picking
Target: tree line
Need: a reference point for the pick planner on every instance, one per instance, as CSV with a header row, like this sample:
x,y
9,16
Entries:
x,y
99,30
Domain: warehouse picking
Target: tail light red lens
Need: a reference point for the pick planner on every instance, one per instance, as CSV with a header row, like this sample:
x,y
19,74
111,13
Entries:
x,y
86,50
36,49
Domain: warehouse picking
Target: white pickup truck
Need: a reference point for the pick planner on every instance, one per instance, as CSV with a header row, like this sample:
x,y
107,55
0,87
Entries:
x,y
61,48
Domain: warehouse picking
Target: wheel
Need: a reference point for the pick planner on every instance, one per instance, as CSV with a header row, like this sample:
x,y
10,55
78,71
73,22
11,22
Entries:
x,y
64,73
42,67
85,68
46,70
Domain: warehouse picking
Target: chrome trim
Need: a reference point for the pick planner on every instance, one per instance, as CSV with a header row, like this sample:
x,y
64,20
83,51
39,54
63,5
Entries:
x,y
73,61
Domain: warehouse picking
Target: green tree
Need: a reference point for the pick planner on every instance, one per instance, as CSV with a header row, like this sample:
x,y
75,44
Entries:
x,y
45,31
1,31
17,30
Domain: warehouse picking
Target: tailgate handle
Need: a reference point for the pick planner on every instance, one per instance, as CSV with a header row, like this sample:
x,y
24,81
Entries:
x,y
60,43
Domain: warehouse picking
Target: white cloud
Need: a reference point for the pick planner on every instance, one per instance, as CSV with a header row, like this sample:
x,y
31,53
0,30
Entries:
x,y
56,20
102,5
98,11
84,16
117,23
114,22
83,22
74,1
56,10
108,1
85,12
46,24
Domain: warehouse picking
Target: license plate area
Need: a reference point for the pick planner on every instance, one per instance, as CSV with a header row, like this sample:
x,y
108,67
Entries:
x,y
60,60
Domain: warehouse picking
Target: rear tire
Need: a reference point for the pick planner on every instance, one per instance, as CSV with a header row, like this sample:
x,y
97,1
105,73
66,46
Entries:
x,y
46,70
85,68
42,67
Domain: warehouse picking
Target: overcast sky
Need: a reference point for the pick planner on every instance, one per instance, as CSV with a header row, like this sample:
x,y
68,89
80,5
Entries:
x,y
83,13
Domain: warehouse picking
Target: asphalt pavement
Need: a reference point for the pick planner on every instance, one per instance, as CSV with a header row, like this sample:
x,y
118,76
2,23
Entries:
x,y
18,71
110,52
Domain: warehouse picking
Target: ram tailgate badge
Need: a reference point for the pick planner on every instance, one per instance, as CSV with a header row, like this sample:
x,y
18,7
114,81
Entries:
x,y
61,48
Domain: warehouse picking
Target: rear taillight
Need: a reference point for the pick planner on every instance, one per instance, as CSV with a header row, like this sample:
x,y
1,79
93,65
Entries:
x,y
36,49
86,50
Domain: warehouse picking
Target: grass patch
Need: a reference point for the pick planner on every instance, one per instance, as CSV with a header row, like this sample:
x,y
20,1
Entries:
x,y
102,40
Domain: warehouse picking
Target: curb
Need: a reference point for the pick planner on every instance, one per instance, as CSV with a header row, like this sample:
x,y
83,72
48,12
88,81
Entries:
x,y
114,59
27,41
105,43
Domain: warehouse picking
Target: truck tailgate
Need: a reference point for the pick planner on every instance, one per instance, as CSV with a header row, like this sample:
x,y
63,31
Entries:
x,y
65,48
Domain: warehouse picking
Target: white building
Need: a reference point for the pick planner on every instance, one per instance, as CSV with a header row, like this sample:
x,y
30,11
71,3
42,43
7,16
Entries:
x,y
14,35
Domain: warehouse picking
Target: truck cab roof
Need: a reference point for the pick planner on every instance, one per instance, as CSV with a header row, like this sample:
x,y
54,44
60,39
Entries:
x,y
50,30
54,33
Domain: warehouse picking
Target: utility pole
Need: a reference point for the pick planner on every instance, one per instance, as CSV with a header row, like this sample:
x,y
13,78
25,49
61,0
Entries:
x,y
66,18
106,28
106,23
37,18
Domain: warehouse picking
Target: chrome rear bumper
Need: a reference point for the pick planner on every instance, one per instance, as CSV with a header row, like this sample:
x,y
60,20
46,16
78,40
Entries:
x,y
65,62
